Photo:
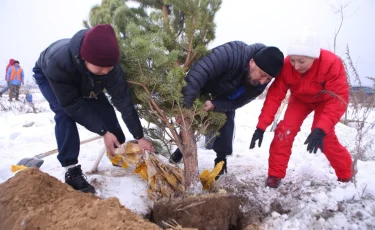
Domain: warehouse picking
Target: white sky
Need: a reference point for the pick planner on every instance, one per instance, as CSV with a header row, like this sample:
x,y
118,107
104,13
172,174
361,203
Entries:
x,y
27,27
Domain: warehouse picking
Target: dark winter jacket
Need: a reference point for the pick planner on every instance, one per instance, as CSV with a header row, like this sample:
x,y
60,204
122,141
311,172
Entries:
x,y
221,74
73,85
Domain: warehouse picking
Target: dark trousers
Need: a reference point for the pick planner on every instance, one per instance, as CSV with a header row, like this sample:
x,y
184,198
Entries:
x,y
14,91
223,144
66,131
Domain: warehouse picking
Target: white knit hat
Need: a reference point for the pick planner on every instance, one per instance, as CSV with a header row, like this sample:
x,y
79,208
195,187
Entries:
x,y
305,43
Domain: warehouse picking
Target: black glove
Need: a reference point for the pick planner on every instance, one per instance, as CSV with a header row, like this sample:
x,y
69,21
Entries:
x,y
257,136
315,140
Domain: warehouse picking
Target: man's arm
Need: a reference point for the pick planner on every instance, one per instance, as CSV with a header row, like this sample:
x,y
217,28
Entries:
x,y
222,59
69,98
119,90
22,76
226,105
8,74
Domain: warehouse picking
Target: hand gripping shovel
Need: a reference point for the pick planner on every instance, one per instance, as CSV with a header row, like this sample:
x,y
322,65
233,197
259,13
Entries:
x,y
37,161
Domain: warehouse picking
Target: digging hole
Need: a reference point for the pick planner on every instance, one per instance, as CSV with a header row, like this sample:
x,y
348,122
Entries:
x,y
204,212
236,209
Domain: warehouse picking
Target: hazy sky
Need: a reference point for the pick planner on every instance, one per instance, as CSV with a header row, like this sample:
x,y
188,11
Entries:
x,y
29,26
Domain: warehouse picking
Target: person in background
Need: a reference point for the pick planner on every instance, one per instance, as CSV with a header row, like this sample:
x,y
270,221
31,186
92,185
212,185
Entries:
x,y
72,75
11,62
318,83
15,77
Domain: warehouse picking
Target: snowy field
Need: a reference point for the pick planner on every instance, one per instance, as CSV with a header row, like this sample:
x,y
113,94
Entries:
x,y
308,198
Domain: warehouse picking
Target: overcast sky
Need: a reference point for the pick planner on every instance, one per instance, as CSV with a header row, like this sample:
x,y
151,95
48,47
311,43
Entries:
x,y
29,26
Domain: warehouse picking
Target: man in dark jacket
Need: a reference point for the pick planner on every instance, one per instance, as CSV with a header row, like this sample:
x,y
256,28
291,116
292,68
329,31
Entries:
x,y
234,74
72,74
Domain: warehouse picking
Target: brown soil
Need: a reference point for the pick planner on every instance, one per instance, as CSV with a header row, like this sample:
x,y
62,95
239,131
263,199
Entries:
x,y
205,212
34,200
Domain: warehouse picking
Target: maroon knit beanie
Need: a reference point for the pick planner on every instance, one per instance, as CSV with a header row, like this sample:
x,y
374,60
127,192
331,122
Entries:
x,y
100,46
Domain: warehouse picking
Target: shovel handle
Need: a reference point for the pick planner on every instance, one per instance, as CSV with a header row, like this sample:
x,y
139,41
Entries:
x,y
45,154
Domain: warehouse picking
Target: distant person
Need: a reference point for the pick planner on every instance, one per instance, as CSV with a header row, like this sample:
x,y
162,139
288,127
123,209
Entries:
x,y
11,62
318,82
72,75
15,77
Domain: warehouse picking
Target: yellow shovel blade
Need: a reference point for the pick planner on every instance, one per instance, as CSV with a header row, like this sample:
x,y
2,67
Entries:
x,y
16,168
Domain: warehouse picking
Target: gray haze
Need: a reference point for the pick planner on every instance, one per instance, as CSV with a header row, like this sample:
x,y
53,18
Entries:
x,y
27,27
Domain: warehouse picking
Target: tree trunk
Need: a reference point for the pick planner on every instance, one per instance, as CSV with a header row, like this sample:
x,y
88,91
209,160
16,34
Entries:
x,y
165,18
190,154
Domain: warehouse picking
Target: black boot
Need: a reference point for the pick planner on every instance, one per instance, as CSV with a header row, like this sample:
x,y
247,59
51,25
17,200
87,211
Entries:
x,y
224,168
75,178
176,157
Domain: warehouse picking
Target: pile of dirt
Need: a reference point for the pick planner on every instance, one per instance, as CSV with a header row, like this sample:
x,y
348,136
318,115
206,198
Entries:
x,y
34,200
205,212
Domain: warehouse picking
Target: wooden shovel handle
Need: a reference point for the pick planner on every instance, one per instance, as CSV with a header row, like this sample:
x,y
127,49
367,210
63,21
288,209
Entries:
x,y
45,154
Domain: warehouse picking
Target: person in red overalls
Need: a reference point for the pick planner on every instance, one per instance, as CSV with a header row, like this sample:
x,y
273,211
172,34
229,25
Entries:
x,y
317,81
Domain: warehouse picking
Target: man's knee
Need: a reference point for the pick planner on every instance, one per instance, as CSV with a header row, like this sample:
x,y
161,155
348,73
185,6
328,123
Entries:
x,y
223,144
60,114
230,117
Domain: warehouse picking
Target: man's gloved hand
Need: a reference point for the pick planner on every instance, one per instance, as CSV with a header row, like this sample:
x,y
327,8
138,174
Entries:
x,y
315,140
257,136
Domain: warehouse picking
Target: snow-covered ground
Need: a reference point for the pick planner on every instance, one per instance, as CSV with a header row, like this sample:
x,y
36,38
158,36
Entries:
x,y
309,197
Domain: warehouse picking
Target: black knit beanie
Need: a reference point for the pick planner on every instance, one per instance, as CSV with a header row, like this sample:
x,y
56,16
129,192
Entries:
x,y
270,60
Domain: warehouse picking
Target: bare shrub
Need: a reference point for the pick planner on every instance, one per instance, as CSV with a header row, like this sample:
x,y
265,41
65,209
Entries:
x,y
358,116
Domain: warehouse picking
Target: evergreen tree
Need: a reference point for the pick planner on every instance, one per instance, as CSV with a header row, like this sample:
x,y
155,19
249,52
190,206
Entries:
x,y
160,40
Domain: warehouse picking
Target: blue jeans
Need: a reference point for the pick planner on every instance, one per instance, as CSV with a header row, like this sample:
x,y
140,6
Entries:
x,y
66,132
5,89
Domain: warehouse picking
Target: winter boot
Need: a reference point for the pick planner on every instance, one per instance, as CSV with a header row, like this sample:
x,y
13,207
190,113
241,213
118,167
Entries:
x,y
273,182
75,178
224,168
176,157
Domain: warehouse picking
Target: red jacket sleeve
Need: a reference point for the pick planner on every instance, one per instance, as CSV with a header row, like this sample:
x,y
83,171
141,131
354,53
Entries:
x,y
336,104
276,93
